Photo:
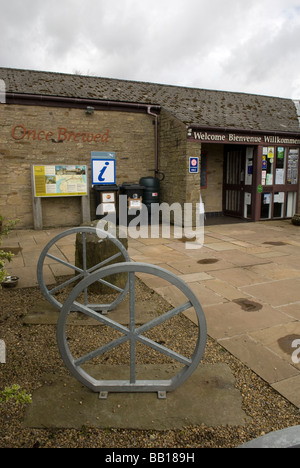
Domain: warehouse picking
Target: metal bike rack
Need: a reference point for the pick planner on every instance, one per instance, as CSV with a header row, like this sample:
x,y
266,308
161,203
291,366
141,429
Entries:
x,y
132,334
84,272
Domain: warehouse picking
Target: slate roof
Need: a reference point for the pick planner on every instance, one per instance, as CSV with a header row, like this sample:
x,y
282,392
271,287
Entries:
x,y
198,107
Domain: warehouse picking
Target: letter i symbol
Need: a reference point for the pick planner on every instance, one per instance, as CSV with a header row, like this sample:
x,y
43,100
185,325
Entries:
x,y
101,178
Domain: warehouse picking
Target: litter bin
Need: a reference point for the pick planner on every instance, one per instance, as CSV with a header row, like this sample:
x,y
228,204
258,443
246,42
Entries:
x,y
134,194
151,194
106,200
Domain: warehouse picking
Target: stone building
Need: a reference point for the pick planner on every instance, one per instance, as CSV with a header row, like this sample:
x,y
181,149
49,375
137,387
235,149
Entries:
x,y
246,146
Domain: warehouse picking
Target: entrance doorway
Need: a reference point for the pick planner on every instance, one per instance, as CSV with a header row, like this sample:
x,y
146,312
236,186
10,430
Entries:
x,y
238,181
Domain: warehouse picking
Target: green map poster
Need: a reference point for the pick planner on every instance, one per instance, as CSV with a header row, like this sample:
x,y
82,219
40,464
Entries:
x,y
60,181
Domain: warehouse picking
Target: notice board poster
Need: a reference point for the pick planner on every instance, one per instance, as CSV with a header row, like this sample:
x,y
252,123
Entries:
x,y
60,181
293,166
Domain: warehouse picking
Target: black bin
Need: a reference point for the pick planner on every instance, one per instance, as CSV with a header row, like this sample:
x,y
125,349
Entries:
x,y
151,193
134,193
106,198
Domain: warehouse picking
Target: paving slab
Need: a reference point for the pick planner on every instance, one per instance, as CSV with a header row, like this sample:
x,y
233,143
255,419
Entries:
x,y
225,289
239,276
276,293
208,397
260,359
280,339
230,318
292,310
289,388
273,271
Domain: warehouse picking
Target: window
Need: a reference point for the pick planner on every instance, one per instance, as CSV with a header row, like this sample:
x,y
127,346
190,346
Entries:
x,y
292,166
267,166
280,166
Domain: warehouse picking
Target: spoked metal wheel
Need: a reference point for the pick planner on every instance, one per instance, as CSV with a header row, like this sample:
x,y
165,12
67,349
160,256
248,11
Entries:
x,y
132,335
53,253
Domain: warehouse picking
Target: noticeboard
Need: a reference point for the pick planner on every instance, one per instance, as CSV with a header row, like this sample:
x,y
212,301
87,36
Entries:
x,y
60,181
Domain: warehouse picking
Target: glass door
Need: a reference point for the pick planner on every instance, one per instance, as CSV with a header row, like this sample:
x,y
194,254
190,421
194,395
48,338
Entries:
x,y
234,181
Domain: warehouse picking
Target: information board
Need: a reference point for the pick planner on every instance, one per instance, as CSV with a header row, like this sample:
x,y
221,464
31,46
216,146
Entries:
x,y
60,181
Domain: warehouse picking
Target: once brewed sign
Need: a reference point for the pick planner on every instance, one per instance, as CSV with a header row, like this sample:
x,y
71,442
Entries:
x,y
61,135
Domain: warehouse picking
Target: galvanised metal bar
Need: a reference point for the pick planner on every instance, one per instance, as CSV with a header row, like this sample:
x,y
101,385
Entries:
x,y
84,230
132,326
132,334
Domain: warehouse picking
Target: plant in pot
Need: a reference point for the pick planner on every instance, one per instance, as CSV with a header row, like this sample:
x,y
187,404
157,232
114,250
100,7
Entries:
x,y
5,279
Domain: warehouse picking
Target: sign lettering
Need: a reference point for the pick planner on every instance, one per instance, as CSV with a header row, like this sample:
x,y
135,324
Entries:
x,y
214,137
20,132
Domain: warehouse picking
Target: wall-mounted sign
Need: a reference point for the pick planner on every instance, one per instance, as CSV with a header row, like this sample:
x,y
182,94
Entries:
x,y
103,171
61,135
226,138
60,181
194,165
260,189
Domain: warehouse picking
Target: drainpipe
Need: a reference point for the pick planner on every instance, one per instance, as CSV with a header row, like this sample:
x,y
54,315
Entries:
x,y
156,139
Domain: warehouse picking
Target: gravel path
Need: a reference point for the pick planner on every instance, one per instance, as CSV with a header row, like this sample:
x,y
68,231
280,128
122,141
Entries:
x,y
32,351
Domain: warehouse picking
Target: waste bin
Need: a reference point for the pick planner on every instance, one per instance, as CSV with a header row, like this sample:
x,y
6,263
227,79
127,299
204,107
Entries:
x,y
134,203
106,200
151,194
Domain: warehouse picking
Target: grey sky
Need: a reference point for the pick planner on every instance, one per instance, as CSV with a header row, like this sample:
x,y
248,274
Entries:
x,y
249,46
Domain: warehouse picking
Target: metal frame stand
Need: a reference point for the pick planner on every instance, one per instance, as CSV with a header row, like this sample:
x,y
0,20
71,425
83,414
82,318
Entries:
x,y
84,272
133,334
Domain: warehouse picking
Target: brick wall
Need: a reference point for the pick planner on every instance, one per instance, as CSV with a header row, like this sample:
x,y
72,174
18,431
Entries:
x,y
130,135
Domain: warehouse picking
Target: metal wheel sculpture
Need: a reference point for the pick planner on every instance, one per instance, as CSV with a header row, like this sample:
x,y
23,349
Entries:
x,y
131,334
81,272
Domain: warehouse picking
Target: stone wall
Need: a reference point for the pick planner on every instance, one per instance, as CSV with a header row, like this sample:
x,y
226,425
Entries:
x,y
212,195
178,186
48,135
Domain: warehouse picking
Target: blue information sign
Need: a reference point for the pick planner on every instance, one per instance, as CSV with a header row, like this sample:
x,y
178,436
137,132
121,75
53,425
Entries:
x,y
103,171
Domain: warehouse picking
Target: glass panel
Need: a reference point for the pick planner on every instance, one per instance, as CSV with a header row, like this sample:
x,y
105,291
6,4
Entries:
x,y
248,206
268,166
280,166
233,199
278,204
293,165
266,201
291,204
249,166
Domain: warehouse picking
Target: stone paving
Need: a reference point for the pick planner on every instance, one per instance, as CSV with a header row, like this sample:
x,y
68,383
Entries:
x,y
246,276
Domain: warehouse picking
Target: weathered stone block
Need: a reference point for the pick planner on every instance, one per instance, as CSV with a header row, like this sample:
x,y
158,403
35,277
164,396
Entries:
x,y
98,250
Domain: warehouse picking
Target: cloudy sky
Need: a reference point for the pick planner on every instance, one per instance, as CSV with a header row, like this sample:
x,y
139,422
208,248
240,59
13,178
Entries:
x,y
250,46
